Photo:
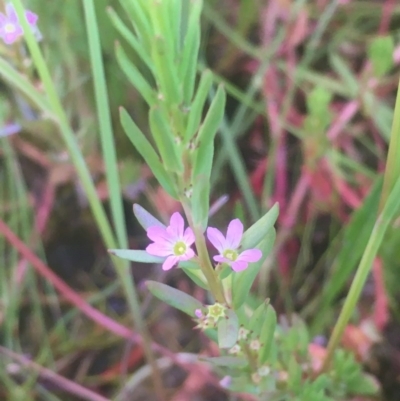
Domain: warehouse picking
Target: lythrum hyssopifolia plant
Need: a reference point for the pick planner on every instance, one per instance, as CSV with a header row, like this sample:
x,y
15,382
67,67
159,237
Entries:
x,y
258,354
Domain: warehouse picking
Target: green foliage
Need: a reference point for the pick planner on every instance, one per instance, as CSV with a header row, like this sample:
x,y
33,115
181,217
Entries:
x,y
228,330
174,297
380,52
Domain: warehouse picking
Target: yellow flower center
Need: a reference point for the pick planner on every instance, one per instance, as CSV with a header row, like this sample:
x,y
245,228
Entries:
x,y
180,248
9,28
230,254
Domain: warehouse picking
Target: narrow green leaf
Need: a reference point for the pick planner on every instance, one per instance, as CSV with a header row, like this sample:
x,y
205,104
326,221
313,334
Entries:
x,y
164,138
257,318
203,161
174,297
196,109
267,334
194,272
380,52
213,119
21,82
228,330
347,75
130,38
201,201
188,64
228,361
135,76
140,20
355,238
148,153
165,72
145,219
135,255
254,234
242,281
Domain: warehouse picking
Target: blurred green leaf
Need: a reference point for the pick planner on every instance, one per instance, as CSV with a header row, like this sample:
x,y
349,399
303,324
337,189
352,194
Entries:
x,y
201,202
255,234
242,281
267,334
135,255
213,119
228,330
196,108
189,56
174,297
228,361
380,52
134,76
131,38
145,219
163,136
146,150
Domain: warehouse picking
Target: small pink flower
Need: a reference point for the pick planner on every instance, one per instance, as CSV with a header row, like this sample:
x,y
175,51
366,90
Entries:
x,y
228,247
172,242
10,28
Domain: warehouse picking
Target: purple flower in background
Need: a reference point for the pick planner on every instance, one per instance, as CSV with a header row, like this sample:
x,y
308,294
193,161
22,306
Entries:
x,y
172,242
228,247
10,28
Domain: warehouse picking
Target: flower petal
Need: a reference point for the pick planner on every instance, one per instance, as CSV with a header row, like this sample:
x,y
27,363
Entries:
x,y
239,265
158,234
188,236
216,238
250,255
221,259
3,19
170,262
176,226
31,17
11,13
234,234
157,250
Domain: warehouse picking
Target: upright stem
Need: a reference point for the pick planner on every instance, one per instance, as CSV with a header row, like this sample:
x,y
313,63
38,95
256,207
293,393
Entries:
x,y
204,259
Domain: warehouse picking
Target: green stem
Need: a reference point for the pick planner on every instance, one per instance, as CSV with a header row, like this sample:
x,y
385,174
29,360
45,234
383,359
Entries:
x,y
390,209
204,259
65,130
110,158
388,206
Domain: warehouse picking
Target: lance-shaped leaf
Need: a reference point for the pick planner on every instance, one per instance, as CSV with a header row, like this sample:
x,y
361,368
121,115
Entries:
x,y
144,147
165,140
194,272
196,108
135,76
165,72
242,281
228,361
130,37
174,297
201,201
256,319
145,219
141,22
267,334
135,255
228,330
256,233
213,119
188,64
380,52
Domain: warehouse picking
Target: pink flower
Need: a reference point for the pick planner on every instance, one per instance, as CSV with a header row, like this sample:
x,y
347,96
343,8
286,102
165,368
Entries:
x,y
172,242
10,28
228,247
